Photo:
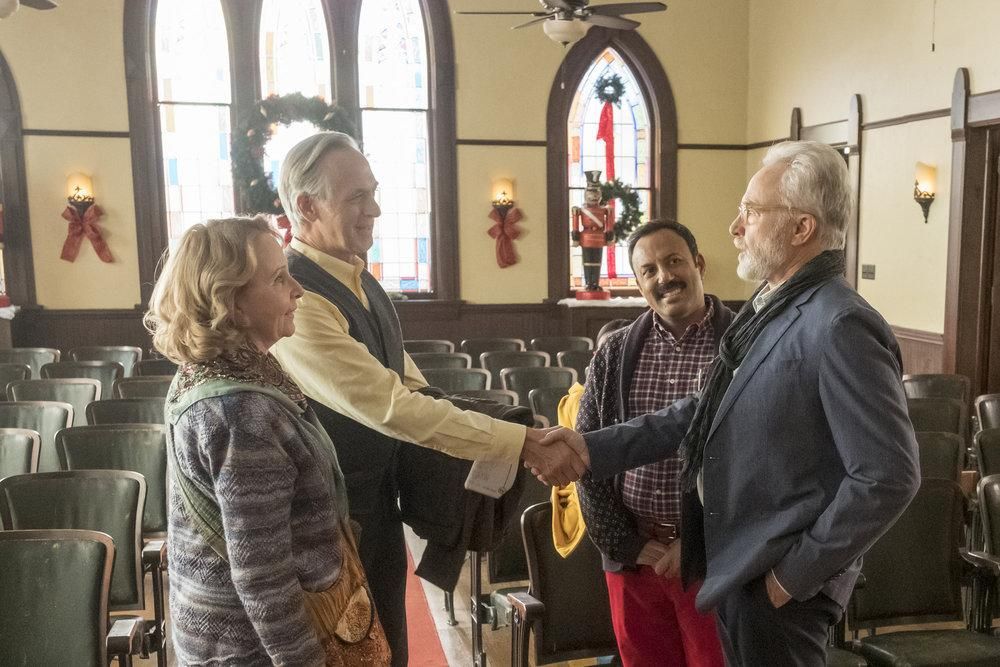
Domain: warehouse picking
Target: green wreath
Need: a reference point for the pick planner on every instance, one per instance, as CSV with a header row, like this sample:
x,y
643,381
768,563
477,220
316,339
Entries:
x,y
631,215
609,88
252,136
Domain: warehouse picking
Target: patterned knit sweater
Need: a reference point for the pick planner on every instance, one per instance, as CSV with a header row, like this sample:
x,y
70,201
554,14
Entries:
x,y
280,523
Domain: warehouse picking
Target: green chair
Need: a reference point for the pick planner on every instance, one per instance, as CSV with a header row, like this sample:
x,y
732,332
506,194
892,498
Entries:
x,y
141,448
126,411
153,386
105,372
474,347
428,360
78,392
544,402
108,501
937,385
941,455
913,575
498,395
429,345
523,380
566,606
988,411
987,447
34,357
54,589
19,449
11,372
577,360
949,415
154,367
498,360
556,344
452,380
45,418
126,355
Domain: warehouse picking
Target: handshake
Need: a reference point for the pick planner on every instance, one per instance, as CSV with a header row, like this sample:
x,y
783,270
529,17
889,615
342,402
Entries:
x,y
556,456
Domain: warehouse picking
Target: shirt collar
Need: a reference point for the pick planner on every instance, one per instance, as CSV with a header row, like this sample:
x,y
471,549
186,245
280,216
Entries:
x,y
764,297
663,332
348,273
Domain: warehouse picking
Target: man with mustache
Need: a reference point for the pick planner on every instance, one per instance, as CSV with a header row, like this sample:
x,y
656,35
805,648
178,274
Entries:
x,y
635,518
799,444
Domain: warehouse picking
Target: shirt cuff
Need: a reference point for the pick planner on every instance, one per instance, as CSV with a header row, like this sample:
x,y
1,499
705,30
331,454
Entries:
x,y
775,577
509,439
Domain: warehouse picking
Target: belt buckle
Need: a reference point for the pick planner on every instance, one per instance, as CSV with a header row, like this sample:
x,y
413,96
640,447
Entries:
x,y
665,531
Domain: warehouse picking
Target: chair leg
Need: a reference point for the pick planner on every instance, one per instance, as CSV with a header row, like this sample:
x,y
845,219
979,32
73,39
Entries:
x,y
160,630
449,606
519,635
475,595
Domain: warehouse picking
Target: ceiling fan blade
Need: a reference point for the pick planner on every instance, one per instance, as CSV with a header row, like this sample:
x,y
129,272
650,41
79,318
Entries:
x,y
627,8
505,13
39,4
615,22
531,22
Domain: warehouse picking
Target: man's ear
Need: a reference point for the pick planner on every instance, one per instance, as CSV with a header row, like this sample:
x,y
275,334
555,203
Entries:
x,y
307,209
699,261
804,229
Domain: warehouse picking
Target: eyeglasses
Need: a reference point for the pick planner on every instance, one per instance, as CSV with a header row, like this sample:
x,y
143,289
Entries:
x,y
744,211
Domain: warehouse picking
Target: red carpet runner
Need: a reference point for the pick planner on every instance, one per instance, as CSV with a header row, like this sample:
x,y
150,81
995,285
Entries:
x,y
424,644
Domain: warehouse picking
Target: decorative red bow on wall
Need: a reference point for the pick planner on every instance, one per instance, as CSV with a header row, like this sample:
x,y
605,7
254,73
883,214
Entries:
x,y
504,231
85,225
285,225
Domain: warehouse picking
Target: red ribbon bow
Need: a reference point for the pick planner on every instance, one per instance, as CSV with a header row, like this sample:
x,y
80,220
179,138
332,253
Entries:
x,y
84,226
505,233
283,223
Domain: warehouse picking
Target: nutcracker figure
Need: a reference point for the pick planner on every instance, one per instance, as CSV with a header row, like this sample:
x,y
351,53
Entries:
x,y
593,228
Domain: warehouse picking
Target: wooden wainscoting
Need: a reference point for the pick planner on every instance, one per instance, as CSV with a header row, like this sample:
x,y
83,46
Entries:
x,y
66,329
922,351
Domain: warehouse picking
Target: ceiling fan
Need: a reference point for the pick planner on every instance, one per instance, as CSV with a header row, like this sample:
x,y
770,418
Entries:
x,y
8,7
566,21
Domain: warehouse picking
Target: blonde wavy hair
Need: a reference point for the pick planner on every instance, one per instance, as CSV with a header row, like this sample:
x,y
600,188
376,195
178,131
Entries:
x,y
191,312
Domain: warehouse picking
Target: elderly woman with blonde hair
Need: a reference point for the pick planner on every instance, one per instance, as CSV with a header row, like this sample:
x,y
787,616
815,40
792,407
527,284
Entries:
x,y
263,564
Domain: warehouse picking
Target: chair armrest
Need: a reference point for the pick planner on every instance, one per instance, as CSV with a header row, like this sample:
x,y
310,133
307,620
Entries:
x,y
525,607
125,636
154,556
981,561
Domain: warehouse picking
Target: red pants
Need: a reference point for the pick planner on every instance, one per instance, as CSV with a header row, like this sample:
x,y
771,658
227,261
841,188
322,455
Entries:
x,y
656,623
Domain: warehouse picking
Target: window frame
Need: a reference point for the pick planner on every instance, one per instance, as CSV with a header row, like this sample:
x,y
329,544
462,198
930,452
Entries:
x,y
242,19
659,99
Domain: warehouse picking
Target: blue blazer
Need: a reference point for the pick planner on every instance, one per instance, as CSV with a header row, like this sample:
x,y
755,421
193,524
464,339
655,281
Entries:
x,y
811,456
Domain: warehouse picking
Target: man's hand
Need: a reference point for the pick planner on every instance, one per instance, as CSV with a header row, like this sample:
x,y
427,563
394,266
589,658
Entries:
x,y
669,565
651,553
775,593
551,459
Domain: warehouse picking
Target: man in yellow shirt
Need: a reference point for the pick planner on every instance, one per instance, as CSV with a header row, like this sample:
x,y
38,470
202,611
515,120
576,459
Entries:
x,y
347,357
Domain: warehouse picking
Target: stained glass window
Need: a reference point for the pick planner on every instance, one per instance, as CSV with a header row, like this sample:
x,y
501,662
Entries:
x,y
192,67
632,148
393,93
294,49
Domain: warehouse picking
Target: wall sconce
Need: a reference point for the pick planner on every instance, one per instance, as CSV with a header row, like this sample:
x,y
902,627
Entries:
x,y
82,215
80,192
504,216
924,187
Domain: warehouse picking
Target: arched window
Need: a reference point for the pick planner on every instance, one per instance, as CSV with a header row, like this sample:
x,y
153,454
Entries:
x,y
192,75
393,95
632,148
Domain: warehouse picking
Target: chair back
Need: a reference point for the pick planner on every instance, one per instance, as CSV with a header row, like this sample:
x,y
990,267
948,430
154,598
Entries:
x,y
19,449
523,380
913,573
556,344
426,360
938,414
141,448
988,411
507,561
126,411
414,346
126,355
937,385
11,372
105,372
474,347
578,360
941,455
498,395
495,362
988,492
576,621
154,367
545,402
45,418
452,380
55,586
986,444
78,392
34,357
153,386
108,501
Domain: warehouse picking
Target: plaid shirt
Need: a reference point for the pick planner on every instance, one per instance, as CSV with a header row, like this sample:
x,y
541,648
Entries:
x,y
668,369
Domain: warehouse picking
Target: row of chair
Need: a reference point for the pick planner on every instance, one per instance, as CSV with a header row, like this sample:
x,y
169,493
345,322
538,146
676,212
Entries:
x,y
496,361
476,346
107,372
130,359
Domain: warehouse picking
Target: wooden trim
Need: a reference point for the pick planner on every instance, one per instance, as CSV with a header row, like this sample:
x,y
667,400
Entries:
x,y
922,351
242,18
985,109
918,335
19,266
500,142
908,118
658,95
75,133
765,144
711,147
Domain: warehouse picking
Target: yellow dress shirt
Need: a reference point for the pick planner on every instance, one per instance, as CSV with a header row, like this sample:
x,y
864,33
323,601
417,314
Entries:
x,y
568,527
339,372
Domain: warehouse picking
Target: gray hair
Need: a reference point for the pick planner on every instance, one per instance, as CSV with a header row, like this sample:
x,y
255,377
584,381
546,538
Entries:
x,y
816,181
301,175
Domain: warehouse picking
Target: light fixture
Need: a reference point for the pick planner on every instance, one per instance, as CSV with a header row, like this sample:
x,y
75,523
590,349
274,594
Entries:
x,y
565,31
82,215
505,217
80,192
924,187
503,195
